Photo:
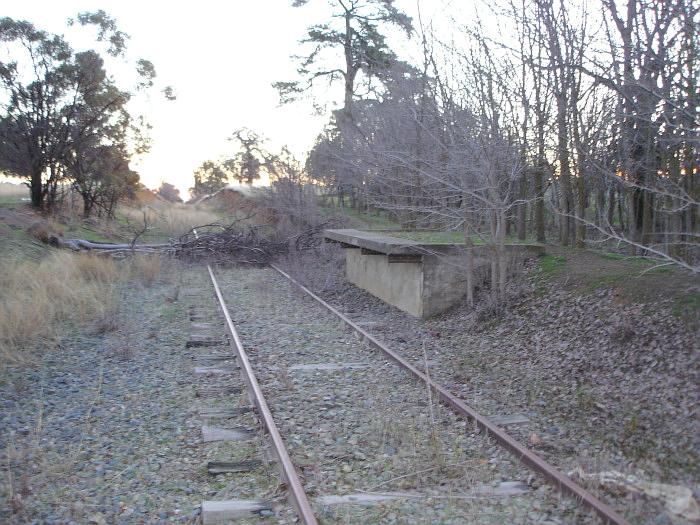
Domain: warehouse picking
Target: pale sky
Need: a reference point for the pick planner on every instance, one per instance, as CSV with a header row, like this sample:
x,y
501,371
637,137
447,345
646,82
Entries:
x,y
221,57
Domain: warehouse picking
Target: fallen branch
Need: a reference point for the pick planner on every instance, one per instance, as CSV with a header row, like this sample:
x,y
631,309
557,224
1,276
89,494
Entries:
x,y
253,245
81,244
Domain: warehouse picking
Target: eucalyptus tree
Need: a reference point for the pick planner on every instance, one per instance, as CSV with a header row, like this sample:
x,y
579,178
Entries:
x,y
209,178
101,138
103,178
324,164
51,96
490,130
168,192
350,48
101,175
245,166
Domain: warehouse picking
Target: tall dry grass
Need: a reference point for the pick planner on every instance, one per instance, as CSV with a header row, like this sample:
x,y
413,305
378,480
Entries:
x,y
40,301
172,220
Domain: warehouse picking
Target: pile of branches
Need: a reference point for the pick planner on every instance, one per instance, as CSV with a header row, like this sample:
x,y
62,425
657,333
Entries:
x,y
235,243
254,245
230,243
243,243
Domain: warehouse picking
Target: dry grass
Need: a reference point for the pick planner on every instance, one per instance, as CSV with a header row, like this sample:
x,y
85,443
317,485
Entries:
x,y
41,300
8,189
146,268
172,220
43,230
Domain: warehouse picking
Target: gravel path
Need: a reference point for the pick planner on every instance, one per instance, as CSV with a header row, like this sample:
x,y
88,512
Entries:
x,y
106,429
370,428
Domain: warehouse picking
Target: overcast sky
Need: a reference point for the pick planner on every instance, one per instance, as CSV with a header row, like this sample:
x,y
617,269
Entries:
x,y
221,57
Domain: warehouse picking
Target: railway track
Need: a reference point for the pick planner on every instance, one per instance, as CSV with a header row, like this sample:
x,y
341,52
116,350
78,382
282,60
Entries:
x,y
359,432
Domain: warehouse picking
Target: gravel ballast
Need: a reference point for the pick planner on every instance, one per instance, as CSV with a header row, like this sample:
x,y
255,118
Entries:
x,y
369,428
608,384
107,427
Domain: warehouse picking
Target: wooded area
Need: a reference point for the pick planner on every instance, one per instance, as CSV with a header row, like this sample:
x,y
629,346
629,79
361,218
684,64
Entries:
x,y
560,120
552,121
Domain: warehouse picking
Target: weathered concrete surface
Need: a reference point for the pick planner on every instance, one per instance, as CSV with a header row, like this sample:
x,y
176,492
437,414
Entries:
x,y
444,281
420,279
210,434
398,284
377,241
223,512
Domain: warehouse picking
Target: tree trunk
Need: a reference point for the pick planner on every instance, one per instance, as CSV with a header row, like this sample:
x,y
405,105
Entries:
x,y
522,210
37,190
580,212
469,246
539,204
567,195
501,260
599,206
611,207
647,218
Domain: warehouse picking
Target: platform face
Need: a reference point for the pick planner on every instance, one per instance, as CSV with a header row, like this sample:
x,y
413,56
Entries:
x,y
422,279
400,285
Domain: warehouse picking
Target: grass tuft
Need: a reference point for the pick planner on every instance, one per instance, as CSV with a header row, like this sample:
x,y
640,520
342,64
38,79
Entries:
x,y
687,307
40,298
146,268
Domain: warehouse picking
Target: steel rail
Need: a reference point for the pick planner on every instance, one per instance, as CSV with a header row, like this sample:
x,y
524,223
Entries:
x,y
298,496
562,482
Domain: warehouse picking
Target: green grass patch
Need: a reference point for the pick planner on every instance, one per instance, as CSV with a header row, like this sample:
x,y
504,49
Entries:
x,y
14,232
636,261
549,264
604,281
687,305
362,219
10,199
87,233
613,256
169,311
453,237
430,237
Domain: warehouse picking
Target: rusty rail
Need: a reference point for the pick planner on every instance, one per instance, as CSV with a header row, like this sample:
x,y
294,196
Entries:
x,y
298,496
562,482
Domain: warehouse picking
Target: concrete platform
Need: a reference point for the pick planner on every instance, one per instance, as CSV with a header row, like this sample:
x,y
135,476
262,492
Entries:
x,y
422,279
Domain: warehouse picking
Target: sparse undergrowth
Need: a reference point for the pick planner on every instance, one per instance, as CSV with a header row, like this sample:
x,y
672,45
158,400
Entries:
x,y
453,237
358,219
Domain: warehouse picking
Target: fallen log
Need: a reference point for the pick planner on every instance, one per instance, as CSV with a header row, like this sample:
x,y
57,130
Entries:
x,y
82,244
249,245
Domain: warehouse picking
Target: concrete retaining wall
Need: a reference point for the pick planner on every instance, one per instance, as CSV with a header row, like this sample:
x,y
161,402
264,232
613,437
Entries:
x,y
426,288
399,284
